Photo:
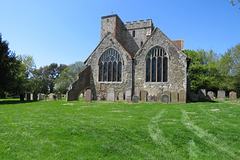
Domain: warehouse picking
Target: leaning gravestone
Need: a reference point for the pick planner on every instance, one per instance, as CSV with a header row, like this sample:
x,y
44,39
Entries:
x,y
182,96
211,95
88,96
159,96
35,96
143,96
128,95
233,96
52,96
120,96
174,97
28,96
202,95
135,99
110,95
59,96
221,95
165,98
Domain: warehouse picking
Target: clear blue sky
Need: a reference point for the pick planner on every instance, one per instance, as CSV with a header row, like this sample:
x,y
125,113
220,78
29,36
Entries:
x,y
66,31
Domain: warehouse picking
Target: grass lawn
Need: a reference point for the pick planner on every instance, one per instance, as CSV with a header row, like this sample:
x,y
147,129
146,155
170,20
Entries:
x,y
101,130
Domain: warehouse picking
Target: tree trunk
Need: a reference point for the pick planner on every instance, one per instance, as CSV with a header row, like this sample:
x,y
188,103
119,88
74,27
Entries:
x,y
22,97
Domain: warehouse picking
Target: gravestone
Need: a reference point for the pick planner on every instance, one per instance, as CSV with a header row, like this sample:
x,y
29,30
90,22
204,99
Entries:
x,y
182,96
43,97
165,98
128,95
135,99
120,96
35,96
167,92
144,96
202,95
110,95
137,92
233,96
211,95
28,97
221,95
59,96
88,96
40,96
52,96
31,97
174,97
149,98
159,96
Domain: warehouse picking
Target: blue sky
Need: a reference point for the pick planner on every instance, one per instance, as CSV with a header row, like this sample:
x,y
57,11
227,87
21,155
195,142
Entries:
x,y
66,31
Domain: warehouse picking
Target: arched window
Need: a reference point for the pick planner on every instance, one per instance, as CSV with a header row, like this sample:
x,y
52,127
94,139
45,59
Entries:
x,y
110,66
157,65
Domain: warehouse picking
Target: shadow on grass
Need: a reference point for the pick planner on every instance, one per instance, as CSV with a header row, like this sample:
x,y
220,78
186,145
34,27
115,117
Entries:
x,y
12,101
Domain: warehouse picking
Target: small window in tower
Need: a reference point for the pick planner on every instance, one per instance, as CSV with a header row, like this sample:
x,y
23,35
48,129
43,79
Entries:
x,y
133,33
141,43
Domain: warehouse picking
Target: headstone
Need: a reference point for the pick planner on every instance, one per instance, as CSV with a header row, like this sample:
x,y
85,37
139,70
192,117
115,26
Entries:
x,y
221,95
81,95
194,97
88,96
233,96
120,96
211,95
149,98
167,92
137,92
35,96
111,95
165,98
43,97
159,96
182,96
31,97
128,95
144,96
59,96
28,96
202,95
52,96
174,97
135,99
40,96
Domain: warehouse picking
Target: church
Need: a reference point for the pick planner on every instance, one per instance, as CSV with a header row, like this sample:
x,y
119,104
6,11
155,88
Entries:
x,y
134,58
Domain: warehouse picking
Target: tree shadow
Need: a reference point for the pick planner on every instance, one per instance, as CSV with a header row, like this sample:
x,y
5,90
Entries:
x,y
11,101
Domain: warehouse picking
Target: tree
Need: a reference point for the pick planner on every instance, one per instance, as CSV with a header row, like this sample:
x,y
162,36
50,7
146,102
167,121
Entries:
x,y
12,71
68,76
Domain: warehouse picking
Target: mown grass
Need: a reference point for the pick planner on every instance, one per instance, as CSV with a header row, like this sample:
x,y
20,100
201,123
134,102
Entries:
x,y
101,130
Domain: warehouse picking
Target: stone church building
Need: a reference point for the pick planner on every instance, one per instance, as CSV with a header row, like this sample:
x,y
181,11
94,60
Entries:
x,y
133,59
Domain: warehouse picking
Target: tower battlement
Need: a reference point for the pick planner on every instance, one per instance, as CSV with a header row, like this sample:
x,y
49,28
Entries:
x,y
141,24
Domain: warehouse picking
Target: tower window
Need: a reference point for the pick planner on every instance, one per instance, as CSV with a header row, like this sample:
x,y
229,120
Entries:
x,y
141,43
133,33
157,65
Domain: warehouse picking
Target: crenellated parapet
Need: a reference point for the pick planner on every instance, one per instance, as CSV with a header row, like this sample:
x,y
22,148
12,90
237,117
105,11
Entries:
x,y
141,24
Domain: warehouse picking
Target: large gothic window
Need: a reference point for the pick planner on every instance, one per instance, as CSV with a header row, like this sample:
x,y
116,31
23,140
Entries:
x,y
157,65
110,66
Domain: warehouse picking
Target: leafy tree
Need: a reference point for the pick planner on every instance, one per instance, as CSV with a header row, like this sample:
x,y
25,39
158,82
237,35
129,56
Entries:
x,y
68,76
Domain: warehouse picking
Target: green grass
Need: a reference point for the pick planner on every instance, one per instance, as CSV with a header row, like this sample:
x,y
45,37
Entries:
x,y
101,130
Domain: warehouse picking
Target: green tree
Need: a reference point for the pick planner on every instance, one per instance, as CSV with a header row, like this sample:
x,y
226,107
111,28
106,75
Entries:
x,y
68,76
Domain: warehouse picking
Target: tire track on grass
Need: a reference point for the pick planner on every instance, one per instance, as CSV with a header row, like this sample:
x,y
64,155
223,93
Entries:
x,y
208,138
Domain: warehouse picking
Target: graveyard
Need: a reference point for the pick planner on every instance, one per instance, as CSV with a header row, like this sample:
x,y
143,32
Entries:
x,y
58,129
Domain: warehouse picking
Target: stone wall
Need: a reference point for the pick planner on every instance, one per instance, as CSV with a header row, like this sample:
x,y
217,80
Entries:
x,y
177,71
100,88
